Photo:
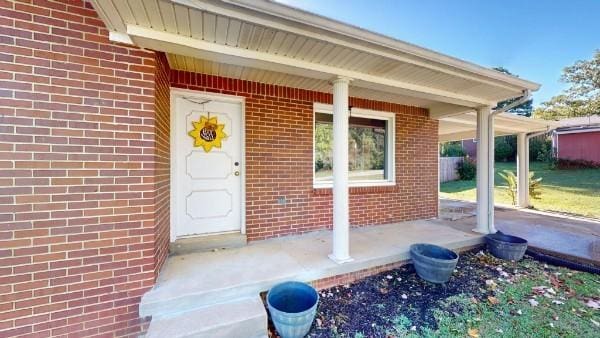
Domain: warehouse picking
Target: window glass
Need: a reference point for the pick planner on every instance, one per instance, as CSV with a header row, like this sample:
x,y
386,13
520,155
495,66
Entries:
x,y
367,148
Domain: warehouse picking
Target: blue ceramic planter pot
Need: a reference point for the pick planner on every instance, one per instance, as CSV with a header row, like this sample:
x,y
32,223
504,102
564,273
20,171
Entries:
x,y
433,263
293,306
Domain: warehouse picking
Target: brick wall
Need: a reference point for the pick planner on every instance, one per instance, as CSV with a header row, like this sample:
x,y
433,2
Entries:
x,y
162,161
84,169
279,141
83,173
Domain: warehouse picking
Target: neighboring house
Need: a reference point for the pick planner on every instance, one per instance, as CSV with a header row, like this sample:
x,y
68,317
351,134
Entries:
x,y
578,138
127,126
469,147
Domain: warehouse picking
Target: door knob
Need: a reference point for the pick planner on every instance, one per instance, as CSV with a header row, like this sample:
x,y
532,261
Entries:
x,y
236,173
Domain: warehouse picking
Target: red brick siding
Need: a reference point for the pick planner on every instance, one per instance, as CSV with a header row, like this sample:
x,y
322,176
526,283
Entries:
x,y
82,178
162,160
470,148
279,141
579,146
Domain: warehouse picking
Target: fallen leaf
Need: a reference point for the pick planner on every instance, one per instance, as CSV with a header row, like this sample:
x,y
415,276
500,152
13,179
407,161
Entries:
x,y
533,302
473,333
556,282
595,322
493,300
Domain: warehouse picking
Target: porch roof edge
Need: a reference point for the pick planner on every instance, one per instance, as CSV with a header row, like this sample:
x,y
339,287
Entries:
x,y
298,15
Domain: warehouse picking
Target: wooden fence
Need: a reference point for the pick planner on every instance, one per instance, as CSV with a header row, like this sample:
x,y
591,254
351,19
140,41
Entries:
x,y
448,167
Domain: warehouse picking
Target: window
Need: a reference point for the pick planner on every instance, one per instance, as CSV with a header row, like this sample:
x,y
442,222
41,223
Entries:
x,y
370,147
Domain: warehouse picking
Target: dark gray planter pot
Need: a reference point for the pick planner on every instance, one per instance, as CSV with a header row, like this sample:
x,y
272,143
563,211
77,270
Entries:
x,y
506,246
433,263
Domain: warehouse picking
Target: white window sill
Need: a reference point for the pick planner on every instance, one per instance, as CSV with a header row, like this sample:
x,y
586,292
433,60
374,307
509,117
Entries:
x,y
329,185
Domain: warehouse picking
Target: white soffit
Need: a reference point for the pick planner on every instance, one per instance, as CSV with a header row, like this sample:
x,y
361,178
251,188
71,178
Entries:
x,y
273,37
195,65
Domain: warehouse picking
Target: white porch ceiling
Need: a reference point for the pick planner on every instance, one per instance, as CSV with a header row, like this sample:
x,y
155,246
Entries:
x,y
196,65
250,36
269,42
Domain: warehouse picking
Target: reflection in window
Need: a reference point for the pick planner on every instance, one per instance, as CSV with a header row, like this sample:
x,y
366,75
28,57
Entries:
x,y
367,148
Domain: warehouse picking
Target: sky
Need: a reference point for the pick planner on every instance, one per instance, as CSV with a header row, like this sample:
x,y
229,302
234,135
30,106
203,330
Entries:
x,y
534,39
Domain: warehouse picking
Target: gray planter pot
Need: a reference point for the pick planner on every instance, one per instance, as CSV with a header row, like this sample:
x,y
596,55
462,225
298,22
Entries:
x,y
506,246
293,306
433,263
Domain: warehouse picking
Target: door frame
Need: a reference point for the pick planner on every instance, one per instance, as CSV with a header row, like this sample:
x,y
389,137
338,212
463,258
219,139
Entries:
x,y
177,93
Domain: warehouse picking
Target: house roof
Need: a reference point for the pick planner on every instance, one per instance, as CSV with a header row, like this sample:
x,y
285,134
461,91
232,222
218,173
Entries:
x,y
274,43
579,124
582,121
269,42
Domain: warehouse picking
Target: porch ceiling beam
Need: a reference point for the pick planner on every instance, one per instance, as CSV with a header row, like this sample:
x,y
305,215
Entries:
x,y
163,41
465,135
444,110
499,127
226,8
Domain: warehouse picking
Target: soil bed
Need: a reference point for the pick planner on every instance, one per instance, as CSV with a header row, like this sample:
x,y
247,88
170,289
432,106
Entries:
x,y
398,303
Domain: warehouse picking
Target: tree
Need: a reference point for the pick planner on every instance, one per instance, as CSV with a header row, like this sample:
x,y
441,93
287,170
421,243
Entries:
x,y
452,149
582,98
524,109
503,151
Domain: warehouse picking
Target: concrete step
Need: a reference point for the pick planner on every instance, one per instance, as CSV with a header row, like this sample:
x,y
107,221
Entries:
x,y
207,243
156,303
240,318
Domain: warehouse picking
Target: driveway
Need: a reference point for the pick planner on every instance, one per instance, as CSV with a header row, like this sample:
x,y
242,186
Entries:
x,y
574,238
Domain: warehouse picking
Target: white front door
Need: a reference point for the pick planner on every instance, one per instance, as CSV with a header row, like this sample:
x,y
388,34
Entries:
x,y
207,178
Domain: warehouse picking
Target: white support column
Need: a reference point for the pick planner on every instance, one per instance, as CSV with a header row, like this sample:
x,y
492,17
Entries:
x,y
491,175
341,214
482,169
522,170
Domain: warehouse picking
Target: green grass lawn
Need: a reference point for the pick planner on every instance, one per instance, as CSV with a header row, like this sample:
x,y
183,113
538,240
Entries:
x,y
536,301
570,191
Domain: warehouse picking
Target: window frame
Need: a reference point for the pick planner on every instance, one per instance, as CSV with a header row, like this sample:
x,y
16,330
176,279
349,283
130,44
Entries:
x,y
390,163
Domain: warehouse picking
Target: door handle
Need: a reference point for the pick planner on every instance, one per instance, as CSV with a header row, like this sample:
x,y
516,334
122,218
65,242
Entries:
x,y
236,173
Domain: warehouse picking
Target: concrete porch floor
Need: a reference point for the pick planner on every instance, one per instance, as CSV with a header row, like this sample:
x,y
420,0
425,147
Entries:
x,y
573,238
199,279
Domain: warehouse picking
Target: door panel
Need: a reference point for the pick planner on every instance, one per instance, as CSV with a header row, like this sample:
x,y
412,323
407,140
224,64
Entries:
x,y
208,184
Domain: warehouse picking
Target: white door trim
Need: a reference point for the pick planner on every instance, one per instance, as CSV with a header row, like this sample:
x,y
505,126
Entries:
x,y
176,93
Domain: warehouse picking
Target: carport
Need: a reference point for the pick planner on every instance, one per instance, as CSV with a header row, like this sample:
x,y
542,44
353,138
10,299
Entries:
x,y
483,125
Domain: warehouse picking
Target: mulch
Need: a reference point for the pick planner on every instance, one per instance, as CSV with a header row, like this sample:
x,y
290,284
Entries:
x,y
372,306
